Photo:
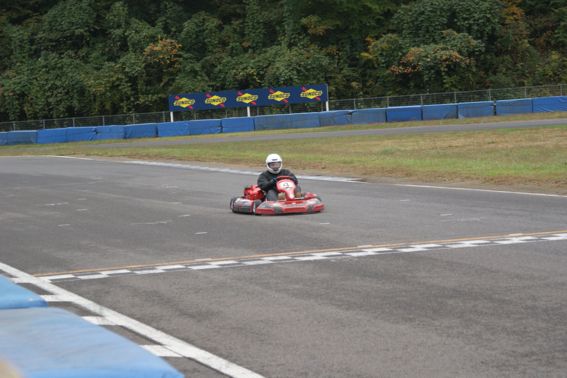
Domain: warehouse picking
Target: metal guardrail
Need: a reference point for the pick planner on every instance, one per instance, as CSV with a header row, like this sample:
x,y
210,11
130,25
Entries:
x,y
346,104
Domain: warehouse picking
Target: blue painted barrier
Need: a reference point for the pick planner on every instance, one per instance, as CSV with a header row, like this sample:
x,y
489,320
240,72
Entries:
x,y
14,296
403,113
287,121
235,125
519,106
205,126
147,130
109,132
364,116
442,111
550,104
22,137
48,136
172,129
54,343
80,134
335,117
476,109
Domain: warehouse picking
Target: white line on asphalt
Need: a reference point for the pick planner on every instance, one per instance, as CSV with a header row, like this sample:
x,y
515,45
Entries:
x,y
173,344
481,190
210,169
160,351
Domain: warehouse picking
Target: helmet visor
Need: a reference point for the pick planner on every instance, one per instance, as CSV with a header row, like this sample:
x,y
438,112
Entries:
x,y
275,165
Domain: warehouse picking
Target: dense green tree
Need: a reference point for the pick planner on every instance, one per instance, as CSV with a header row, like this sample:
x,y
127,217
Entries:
x,y
84,57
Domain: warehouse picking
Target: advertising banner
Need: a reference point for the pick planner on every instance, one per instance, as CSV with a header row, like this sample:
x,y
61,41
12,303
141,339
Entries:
x,y
272,96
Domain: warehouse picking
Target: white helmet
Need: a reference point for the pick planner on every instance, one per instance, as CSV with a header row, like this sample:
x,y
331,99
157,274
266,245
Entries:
x,y
274,163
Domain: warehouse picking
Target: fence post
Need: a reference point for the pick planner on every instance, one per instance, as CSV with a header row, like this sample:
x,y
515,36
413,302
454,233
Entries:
x,y
387,101
421,99
489,95
354,103
14,126
455,97
73,121
561,89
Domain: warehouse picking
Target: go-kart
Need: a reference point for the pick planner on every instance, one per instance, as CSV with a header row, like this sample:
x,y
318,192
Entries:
x,y
290,201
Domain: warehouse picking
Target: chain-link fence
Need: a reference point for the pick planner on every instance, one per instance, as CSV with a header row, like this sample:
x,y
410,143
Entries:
x,y
348,104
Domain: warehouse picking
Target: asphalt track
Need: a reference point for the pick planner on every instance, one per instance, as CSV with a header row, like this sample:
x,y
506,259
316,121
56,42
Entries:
x,y
391,280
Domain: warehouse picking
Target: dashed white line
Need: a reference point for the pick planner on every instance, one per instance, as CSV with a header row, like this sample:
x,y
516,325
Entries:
x,y
115,271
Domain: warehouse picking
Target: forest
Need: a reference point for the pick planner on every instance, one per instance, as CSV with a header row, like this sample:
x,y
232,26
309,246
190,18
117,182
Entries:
x,y
68,58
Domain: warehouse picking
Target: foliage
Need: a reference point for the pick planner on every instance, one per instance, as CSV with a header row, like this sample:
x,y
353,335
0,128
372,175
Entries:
x,y
84,57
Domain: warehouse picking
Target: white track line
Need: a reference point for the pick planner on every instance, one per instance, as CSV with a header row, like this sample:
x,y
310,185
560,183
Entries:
x,y
173,344
208,169
481,190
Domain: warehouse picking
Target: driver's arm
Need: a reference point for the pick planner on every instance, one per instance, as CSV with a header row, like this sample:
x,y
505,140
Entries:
x,y
295,180
266,183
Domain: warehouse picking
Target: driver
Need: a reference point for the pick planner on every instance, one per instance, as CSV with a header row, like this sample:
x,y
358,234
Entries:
x,y
267,179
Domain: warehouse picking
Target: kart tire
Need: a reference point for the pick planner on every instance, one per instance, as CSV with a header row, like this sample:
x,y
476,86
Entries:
x,y
255,204
232,200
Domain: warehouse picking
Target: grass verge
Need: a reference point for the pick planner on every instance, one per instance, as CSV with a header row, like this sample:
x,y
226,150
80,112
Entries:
x,y
520,159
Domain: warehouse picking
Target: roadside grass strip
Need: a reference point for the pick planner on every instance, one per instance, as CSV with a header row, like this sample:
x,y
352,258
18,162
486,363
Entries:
x,y
304,256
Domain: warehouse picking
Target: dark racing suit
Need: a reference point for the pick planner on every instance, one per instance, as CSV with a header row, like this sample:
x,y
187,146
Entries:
x,y
267,182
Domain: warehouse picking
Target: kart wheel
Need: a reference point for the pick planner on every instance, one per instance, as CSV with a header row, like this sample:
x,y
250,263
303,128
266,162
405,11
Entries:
x,y
255,204
232,200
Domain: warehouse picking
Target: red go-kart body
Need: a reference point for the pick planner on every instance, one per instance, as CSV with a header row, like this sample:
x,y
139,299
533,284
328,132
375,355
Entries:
x,y
254,202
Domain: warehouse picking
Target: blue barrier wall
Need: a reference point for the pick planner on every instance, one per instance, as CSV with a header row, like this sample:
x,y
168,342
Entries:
x,y
234,125
205,126
48,136
335,117
14,296
287,121
109,132
80,134
363,116
403,114
519,106
476,109
69,134
22,137
54,343
173,129
148,130
550,104
444,111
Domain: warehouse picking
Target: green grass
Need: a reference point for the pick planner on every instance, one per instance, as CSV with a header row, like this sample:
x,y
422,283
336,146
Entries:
x,y
534,159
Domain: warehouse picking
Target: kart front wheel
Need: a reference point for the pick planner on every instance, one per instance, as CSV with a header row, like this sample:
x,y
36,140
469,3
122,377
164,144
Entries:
x,y
255,205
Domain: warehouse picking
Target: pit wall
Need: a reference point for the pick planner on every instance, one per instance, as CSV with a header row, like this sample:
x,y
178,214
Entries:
x,y
289,121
